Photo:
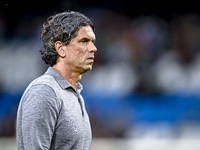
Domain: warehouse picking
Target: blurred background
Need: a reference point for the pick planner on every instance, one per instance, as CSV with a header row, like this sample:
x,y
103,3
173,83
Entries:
x,y
144,89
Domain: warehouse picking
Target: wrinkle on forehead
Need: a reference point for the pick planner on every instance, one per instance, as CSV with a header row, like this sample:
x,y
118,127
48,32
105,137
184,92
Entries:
x,y
86,31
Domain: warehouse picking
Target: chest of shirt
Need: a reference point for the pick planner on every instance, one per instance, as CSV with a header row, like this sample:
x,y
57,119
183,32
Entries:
x,y
72,121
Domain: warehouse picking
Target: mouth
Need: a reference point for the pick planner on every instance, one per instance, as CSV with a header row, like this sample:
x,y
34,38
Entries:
x,y
91,59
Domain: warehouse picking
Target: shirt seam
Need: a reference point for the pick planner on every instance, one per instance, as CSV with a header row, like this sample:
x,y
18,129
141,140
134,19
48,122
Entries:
x,y
37,84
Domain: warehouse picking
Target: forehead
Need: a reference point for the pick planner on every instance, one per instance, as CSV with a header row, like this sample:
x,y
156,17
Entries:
x,y
86,31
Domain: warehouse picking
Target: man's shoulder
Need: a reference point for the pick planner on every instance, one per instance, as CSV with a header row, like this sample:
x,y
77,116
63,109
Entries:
x,y
44,80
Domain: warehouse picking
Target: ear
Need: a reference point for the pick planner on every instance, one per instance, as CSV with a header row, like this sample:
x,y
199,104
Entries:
x,y
59,46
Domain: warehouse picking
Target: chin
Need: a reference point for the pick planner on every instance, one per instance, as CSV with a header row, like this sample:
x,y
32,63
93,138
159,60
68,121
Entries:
x,y
85,69
88,68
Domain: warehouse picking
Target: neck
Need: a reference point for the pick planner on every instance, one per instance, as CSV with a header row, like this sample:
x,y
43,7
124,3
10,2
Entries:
x,y
72,77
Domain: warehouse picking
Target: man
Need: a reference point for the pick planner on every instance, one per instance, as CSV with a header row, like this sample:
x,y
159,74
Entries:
x,y
51,114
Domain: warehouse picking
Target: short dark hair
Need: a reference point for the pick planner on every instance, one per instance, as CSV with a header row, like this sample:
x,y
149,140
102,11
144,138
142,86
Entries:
x,y
61,27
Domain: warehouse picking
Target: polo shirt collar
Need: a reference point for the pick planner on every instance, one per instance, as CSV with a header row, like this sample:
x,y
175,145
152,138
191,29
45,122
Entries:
x,y
64,84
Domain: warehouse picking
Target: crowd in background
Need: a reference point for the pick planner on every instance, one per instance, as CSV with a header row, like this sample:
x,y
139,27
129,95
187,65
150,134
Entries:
x,y
145,80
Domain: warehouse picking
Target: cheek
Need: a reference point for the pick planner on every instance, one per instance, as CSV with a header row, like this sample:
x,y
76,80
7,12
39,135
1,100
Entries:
x,y
81,57
81,52
77,53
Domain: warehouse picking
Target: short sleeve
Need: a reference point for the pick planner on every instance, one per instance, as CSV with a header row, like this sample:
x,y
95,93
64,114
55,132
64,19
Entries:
x,y
39,115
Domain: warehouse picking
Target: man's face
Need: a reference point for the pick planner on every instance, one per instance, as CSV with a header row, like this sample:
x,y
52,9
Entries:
x,y
80,51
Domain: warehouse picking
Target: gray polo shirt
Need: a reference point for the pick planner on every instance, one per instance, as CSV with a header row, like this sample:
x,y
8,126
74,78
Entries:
x,y
52,115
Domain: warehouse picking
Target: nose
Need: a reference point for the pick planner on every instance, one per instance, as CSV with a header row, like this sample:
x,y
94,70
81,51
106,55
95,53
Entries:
x,y
92,47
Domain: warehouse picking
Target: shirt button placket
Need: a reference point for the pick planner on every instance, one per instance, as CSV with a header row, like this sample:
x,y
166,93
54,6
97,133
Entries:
x,y
80,102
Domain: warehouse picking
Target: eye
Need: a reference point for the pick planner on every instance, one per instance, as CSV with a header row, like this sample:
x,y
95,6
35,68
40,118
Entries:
x,y
85,40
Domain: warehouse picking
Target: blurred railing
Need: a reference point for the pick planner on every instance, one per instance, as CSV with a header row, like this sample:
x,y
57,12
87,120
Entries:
x,y
126,144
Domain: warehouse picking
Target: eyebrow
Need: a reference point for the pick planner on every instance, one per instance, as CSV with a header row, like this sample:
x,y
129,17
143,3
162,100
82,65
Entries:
x,y
87,38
